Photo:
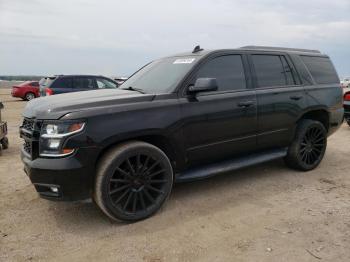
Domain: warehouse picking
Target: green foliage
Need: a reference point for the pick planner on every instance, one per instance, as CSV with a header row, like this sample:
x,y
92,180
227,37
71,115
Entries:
x,y
21,78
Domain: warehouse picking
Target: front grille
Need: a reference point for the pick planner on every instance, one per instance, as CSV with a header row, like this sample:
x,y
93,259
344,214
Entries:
x,y
27,146
28,124
30,132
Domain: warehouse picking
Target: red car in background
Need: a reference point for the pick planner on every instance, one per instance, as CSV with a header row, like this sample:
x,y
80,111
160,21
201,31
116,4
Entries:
x,y
27,90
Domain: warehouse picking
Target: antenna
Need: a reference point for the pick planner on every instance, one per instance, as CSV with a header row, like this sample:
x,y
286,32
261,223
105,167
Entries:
x,y
197,49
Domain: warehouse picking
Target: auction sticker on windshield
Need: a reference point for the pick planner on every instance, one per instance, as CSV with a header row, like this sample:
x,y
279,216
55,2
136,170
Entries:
x,y
184,61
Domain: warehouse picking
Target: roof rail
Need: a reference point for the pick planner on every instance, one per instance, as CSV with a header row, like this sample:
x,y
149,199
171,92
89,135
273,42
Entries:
x,y
272,48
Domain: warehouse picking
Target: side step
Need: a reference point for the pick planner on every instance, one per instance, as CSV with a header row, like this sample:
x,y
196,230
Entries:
x,y
229,165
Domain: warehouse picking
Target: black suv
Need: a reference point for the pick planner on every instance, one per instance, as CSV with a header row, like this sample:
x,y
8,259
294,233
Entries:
x,y
181,118
73,83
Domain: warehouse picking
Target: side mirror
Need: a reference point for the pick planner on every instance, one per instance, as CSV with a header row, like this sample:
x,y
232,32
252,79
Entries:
x,y
204,85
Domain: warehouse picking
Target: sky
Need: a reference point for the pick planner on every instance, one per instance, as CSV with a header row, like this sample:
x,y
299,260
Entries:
x,y
115,38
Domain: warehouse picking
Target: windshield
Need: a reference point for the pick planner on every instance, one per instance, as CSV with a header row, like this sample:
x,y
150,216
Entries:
x,y
160,76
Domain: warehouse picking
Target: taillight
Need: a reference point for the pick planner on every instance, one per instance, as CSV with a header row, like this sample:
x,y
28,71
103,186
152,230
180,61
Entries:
x,y
347,96
48,91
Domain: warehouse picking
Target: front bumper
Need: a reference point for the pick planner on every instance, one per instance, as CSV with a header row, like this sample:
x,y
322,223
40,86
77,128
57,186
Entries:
x,y
72,176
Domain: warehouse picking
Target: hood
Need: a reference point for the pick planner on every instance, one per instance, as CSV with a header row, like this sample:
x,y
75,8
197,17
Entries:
x,y
56,106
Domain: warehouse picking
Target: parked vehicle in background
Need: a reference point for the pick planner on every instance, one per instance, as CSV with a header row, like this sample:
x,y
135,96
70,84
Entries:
x,y
4,142
182,118
120,80
27,90
61,84
345,83
347,107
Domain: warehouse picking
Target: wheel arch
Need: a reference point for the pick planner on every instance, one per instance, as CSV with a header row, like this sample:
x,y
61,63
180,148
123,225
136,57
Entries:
x,y
159,140
318,114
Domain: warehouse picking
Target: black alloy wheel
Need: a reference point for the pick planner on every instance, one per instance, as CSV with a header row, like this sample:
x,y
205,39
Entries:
x,y
133,181
312,146
308,147
137,183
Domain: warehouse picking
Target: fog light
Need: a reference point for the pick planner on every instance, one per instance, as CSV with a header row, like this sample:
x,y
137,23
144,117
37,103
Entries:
x,y
54,189
53,143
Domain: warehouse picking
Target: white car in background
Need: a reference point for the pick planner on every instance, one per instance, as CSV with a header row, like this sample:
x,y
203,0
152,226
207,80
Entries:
x,y
345,83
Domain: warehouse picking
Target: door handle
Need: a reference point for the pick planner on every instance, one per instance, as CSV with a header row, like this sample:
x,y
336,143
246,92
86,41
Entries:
x,y
245,103
295,97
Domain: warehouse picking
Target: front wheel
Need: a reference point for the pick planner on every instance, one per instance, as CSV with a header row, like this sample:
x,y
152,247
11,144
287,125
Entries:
x,y
309,146
133,181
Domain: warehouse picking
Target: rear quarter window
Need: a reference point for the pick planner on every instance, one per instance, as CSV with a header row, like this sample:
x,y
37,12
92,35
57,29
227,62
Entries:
x,y
321,69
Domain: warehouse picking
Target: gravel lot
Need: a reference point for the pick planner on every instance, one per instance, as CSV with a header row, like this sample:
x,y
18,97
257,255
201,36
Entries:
x,y
262,213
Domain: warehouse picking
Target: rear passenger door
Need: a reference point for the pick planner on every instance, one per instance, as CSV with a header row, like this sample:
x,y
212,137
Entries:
x,y
83,84
219,124
280,97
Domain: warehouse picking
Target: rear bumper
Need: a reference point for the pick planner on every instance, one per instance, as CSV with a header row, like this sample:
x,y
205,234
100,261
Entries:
x,y
71,176
336,119
16,93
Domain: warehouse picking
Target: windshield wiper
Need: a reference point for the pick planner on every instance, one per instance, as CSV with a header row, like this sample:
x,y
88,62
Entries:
x,y
135,89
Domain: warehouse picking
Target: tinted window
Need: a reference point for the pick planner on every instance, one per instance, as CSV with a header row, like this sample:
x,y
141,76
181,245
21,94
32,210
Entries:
x,y
272,70
63,83
288,71
34,84
321,69
228,71
105,83
83,83
161,76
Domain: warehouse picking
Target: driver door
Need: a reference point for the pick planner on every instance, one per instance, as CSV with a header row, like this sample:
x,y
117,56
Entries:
x,y
223,123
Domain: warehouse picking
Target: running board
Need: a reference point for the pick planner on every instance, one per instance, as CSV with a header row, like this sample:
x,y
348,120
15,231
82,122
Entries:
x,y
229,165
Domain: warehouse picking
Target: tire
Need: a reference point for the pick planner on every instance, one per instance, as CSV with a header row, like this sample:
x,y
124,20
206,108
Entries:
x,y
308,147
5,143
133,181
29,96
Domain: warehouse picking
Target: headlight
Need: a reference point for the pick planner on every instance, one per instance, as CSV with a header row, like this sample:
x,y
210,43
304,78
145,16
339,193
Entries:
x,y
53,135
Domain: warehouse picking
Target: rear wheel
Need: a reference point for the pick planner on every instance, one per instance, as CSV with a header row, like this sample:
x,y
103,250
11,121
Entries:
x,y
29,96
133,180
309,146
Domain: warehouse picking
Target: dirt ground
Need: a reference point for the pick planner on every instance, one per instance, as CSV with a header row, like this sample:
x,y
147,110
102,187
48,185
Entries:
x,y
262,213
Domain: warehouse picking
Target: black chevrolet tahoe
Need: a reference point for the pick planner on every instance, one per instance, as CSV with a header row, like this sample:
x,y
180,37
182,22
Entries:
x,y
181,118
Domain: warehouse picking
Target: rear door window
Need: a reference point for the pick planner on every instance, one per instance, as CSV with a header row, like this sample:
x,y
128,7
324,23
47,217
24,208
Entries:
x,y
228,71
272,70
83,83
321,69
